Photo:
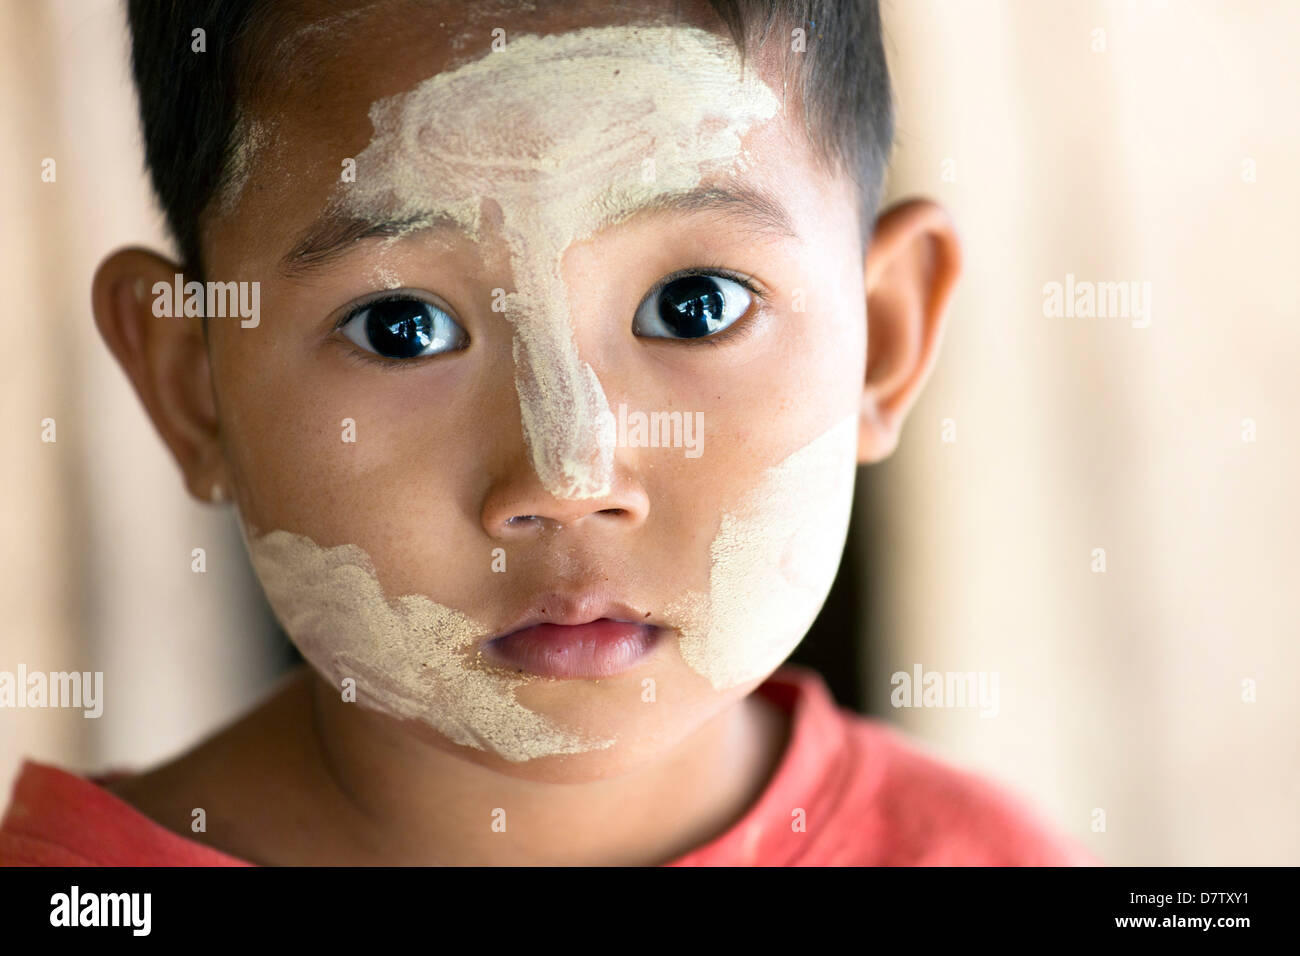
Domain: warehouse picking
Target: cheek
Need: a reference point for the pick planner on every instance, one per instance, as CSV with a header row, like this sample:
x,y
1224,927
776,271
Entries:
x,y
407,657
343,453
772,563
282,429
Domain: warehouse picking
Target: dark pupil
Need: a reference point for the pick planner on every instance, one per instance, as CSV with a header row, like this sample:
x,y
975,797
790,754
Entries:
x,y
691,306
399,328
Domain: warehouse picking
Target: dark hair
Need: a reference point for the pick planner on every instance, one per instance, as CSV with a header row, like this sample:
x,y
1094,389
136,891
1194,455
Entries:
x,y
190,104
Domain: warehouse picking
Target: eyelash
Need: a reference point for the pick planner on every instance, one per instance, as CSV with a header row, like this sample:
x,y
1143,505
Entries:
x,y
733,333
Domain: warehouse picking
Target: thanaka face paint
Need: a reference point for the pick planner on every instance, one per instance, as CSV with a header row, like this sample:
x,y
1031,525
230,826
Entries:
x,y
772,563
411,658
565,133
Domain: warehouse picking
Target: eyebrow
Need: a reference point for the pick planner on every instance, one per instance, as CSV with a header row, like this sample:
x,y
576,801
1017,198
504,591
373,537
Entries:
x,y
335,233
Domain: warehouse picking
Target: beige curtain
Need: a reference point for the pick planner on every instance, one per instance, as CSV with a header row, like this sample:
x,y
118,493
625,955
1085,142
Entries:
x,y
1161,150
99,532
1115,142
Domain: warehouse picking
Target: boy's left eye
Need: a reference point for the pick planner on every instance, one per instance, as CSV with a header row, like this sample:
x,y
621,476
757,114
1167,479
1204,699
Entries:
x,y
691,306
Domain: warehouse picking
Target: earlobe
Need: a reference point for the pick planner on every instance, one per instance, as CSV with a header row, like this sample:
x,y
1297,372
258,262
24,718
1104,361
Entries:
x,y
166,360
912,268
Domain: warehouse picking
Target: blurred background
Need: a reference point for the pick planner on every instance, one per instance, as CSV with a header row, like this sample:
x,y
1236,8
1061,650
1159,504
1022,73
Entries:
x,y
1099,510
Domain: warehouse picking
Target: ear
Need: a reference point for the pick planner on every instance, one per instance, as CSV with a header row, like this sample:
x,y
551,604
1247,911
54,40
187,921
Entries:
x,y
166,359
912,267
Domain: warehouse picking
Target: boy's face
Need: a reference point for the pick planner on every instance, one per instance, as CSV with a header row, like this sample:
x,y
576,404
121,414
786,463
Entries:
x,y
501,474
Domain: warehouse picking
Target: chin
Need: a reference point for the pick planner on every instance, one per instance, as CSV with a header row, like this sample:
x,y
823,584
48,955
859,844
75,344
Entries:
x,y
644,722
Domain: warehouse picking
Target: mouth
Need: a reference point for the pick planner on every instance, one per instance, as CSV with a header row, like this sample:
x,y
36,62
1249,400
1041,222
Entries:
x,y
575,642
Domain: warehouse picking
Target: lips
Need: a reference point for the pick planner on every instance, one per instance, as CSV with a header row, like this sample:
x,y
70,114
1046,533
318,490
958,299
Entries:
x,y
601,648
579,637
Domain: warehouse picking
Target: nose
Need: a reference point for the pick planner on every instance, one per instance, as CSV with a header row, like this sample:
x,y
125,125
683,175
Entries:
x,y
518,505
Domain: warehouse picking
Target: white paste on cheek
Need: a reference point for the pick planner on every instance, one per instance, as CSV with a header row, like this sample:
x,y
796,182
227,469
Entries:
x,y
772,564
409,656
564,132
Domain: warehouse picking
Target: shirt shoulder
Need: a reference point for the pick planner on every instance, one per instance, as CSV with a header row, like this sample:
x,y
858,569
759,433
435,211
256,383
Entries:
x,y
57,818
902,805
854,791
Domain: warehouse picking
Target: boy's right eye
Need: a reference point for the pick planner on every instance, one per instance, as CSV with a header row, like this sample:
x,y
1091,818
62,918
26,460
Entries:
x,y
403,327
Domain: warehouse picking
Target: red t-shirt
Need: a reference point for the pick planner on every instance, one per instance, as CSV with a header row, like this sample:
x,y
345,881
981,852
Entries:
x,y
848,791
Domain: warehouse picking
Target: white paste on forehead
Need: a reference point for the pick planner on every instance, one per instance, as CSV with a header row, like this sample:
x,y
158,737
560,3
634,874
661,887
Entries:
x,y
772,564
250,138
408,655
563,132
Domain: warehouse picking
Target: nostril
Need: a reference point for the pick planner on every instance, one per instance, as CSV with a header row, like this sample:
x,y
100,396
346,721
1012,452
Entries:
x,y
519,521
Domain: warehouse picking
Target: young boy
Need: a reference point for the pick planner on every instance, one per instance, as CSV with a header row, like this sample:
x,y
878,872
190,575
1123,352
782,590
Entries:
x,y
536,346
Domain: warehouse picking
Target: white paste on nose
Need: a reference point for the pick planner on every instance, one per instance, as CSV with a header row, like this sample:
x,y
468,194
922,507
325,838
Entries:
x,y
564,132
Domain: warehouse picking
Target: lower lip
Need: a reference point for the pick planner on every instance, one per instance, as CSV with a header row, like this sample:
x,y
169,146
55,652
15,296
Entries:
x,y
602,648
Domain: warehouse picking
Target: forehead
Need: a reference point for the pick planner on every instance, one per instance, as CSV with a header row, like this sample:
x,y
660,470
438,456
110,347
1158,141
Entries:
x,y
526,104
320,72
